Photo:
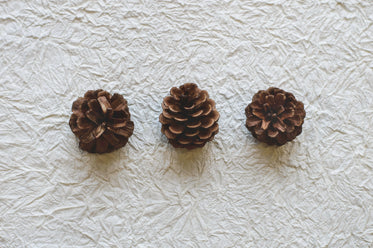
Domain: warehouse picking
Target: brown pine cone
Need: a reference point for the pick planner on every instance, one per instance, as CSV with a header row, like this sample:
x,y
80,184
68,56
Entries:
x,y
189,118
101,121
275,116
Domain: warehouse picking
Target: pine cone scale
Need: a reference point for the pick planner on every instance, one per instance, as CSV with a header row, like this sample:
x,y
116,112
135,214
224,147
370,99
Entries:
x,y
99,131
255,105
169,134
118,104
87,137
110,138
93,105
265,124
280,99
194,123
272,133
176,93
202,98
252,121
87,146
185,140
197,113
180,118
258,114
77,105
176,129
191,132
101,145
212,118
93,116
270,100
279,126
84,123
287,114
296,120
104,104
123,123
215,128
290,128
174,108
279,109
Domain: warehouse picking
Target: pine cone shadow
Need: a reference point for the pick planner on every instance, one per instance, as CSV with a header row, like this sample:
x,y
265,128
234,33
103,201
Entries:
x,y
275,156
188,162
103,165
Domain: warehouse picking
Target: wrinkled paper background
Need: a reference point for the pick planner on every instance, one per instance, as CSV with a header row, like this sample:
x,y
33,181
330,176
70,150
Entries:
x,y
316,191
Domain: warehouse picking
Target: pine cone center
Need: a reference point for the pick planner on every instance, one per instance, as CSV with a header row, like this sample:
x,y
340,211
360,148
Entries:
x,y
272,116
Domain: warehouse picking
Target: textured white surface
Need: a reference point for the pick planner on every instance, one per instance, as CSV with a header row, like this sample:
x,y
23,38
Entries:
x,y
316,191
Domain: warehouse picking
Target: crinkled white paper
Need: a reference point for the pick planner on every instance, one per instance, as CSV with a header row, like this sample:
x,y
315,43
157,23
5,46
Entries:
x,y
316,191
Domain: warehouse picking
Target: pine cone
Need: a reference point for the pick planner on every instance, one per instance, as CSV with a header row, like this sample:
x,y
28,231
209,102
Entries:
x,y
275,116
189,118
101,121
